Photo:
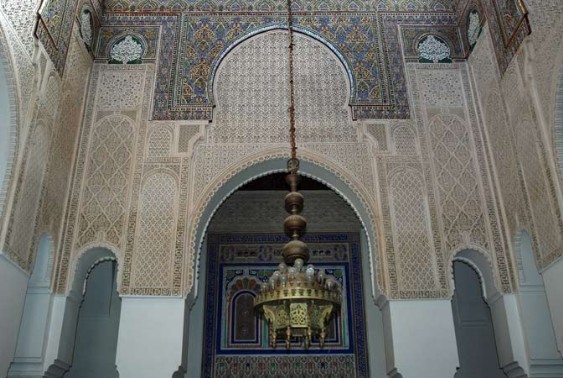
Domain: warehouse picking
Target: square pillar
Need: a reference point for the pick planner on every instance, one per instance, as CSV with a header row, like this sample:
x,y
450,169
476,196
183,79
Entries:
x,y
151,331
420,338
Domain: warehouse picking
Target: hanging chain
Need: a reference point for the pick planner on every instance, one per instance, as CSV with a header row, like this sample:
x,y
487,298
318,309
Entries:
x,y
291,85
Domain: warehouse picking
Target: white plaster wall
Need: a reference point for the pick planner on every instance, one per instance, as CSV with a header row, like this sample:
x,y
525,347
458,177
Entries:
x,y
553,281
150,336
420,338
509,335
13,285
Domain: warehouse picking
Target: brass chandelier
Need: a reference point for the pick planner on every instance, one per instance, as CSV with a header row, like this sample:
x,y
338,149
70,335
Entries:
x,y
298,300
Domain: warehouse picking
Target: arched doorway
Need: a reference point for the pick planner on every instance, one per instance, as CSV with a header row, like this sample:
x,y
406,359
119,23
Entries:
x,y
473,324
98,324
248,227
87,342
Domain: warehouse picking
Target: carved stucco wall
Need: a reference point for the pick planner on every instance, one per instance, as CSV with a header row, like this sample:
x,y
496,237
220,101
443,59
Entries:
x,y
423,181
520,137
446,178
49,110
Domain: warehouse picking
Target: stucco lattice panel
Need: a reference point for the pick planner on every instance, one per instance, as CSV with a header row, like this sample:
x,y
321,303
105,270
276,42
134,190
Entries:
x,y
542,207
120,89
261,211
52,96
252,94
379,132
354,157
104,200
544,13
154,244
65,132
457,182
441,88
22,15
185,135
411,232
22,229
404,141
505,160
211,160
23,67
160,142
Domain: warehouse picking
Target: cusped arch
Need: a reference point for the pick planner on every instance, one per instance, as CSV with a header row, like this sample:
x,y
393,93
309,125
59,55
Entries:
x,y
273,161
87,257
480,260
9,121
296,29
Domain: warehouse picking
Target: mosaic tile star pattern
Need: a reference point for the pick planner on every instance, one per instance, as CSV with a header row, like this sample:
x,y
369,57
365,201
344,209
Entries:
x,y
278,5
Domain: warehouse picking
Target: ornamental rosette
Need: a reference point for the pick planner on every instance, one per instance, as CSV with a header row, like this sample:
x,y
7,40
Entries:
x,y
126,50
433,49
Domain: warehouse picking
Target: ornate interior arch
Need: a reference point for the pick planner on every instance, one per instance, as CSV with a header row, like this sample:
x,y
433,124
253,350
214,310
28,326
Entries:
x,y
85,259
9,121
272,161
296,29
481,262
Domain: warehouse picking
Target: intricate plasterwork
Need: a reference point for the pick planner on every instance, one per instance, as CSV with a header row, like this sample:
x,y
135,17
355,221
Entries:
x,y
20,236
159,142
259,211
404,140
252,93
10,75
457,182
468,209
22,15
411,231
438,88
120,90
99,204
155,235
542,204
191,258
108,169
